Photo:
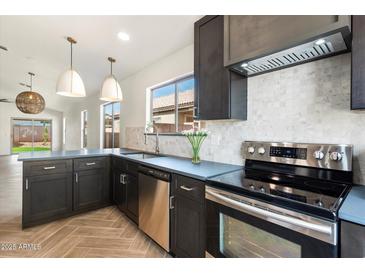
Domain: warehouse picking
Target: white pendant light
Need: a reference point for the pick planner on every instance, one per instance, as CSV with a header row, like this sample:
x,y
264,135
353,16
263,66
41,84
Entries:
x,y
111,90
70,83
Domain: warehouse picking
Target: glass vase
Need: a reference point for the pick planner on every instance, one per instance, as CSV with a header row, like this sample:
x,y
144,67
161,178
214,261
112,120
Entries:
x,y
196,158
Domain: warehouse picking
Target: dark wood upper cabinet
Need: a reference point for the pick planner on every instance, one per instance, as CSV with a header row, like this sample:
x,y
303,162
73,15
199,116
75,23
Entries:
x,y
358,62
219,92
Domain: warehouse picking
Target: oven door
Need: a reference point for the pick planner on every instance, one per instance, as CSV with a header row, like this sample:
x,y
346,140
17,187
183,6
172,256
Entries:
x,y
238,226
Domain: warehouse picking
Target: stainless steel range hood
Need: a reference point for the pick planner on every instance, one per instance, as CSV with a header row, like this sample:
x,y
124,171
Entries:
x,y
321,46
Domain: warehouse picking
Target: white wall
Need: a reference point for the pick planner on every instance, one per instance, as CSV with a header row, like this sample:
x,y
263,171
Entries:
x,y
73,123
9,110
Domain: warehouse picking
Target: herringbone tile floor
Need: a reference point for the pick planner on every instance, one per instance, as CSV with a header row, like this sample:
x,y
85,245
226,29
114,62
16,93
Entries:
x,y
101,233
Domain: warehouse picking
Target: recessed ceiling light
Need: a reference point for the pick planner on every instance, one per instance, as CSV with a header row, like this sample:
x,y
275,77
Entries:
x,y
320,42
244,65
123,36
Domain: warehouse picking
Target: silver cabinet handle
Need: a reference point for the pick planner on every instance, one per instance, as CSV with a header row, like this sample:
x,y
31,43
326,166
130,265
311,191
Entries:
x,y
122,179
76,177
49,167
90,164
194,112
186,188
171,202
26,184
269,214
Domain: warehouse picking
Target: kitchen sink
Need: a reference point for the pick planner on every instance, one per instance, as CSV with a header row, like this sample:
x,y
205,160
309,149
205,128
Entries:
x,y
142,155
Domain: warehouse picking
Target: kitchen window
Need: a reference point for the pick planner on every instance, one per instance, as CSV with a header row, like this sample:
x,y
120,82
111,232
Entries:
x,y
84,129
111,125
172,106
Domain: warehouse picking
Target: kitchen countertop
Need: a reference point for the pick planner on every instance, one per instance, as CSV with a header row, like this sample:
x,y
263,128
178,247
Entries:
x,y
352,209
174,164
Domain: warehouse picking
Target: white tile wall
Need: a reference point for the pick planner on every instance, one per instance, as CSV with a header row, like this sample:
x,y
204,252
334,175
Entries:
x,y
305,103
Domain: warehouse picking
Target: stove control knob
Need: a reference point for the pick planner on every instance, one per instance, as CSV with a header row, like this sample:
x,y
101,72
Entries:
x,y
251,150
261,150
319,203
335,156
318,155
252,187
262,189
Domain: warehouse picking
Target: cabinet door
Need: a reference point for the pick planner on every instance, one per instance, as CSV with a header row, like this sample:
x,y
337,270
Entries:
x,y
211,78
132,197
89,188
119,189
358,62
46,197
188,228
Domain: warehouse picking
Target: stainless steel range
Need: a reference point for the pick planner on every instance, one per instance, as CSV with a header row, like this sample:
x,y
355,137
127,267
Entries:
x,y
283,203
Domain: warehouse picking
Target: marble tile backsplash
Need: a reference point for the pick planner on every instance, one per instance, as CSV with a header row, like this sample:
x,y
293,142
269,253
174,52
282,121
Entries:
x,y
306,103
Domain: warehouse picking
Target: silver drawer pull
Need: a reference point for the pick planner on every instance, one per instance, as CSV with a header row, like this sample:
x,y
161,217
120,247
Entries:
x,y
26,184
76,177
90,164
122,178
171,203
49,167
186,188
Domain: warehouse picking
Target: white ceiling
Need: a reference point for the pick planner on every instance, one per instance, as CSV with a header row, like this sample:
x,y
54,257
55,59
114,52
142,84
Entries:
x,y
37,44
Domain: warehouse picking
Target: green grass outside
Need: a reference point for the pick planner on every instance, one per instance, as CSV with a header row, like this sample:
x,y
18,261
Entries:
x,y
28,149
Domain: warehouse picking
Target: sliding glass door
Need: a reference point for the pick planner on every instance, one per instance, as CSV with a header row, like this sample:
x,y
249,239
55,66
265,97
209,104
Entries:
x,y
111,128
31,135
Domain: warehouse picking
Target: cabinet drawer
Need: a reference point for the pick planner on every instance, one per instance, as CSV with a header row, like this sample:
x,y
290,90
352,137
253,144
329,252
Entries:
x,y
89,163
47,167
190,188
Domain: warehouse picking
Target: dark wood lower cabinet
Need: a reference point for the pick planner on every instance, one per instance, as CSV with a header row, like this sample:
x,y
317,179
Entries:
x,y
188,218
125,192
46,198
132,197
88,188
60,188
188,227
119,192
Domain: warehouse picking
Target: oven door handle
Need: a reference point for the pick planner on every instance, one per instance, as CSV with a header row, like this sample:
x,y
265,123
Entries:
x,y
266,214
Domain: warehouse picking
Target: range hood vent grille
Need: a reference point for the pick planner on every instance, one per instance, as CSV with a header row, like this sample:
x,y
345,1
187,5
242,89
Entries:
x,y
331,45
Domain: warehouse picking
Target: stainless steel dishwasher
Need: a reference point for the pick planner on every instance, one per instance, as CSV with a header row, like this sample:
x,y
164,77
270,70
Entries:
x,y
154,205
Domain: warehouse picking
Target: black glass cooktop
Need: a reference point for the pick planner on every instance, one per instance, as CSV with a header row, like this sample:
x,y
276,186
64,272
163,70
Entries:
x,y
305,193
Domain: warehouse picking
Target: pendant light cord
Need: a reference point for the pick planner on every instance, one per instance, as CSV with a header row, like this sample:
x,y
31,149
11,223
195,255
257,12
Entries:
x,y
71,55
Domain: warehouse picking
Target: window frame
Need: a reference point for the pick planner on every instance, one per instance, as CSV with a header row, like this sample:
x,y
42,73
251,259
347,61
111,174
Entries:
x,y
175,83
84,114
103,120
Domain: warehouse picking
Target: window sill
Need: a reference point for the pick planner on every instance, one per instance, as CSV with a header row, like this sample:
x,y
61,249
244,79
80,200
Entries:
x,y
165,134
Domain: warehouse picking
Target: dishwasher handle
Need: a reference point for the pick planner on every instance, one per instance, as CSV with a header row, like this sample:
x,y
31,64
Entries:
x,y
156,173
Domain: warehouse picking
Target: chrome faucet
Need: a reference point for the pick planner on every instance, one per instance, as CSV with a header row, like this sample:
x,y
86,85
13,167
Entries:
x,y
154,127
157,147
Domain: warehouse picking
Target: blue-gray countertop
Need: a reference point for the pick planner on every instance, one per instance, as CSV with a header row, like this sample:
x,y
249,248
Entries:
x,y
353,208
178,165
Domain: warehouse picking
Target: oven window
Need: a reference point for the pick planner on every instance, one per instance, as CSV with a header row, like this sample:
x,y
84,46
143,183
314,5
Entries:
x,y
241,240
